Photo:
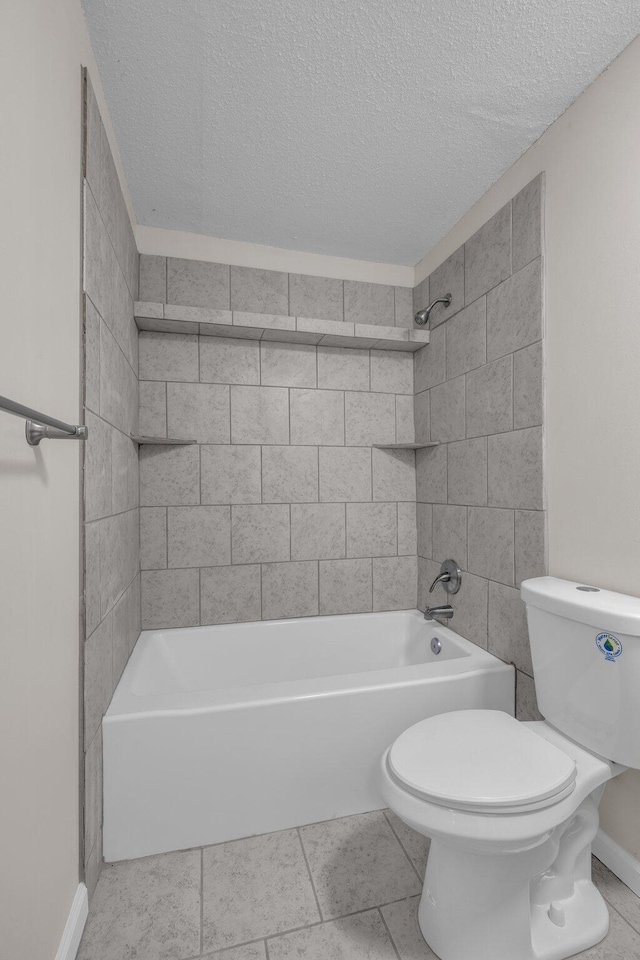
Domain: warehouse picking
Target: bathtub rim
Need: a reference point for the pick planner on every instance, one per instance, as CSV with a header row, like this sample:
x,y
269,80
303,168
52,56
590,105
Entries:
x,y
126,705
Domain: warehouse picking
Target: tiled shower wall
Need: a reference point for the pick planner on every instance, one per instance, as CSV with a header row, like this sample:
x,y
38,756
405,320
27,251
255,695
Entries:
x,y
111,515
283,508
478,392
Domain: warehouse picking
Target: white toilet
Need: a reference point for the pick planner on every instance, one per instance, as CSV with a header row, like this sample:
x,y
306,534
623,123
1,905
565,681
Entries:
x,y
512,808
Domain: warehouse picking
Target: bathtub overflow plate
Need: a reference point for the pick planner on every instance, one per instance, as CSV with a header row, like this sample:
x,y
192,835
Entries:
x,y
436,646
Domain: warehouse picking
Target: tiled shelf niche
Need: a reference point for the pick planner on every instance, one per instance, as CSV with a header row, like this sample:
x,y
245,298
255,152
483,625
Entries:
x,y
168,318
404,446
163,440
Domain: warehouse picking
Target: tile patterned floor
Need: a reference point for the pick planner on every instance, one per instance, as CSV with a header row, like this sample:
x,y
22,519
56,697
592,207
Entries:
x,y
346,889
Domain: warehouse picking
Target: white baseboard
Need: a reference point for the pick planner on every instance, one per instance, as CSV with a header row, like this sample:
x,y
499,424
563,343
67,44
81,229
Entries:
x,y
74,926
625,867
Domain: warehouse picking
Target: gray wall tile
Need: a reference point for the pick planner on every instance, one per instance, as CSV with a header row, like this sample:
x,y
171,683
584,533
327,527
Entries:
x,y
198,411
529,545
290,589
394,475
448,411
231,594
345,474
371,303
289,474
391,371
91,576
370,418
124,473
287,364
97,469
527,387
118,385
260,534
403,297
153,408
317,417
315,297
467,339
422,416
119,556
488,255
259,415
98,677
508,635
395,583
491,543
515,469
199,536
196,283
470,609
431,474
259,291
447,278
345,586
169,476
372,530
407,529
126,627
231,474
489,398
223,360
450,534
405,419
424,524
343,369
93,791
318,531
526,701
427,571
92,323
467,472
168,356
514,312
170,598
153,279
153,538
527,223
429,362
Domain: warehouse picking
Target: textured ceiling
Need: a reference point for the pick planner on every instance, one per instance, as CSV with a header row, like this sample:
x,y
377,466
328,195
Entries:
x,y
358,128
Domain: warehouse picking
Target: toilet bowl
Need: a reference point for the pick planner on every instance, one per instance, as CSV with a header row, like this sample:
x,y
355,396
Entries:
x,y
511,810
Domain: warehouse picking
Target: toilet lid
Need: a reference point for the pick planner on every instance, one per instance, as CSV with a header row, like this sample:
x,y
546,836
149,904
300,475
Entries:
x,y
480,761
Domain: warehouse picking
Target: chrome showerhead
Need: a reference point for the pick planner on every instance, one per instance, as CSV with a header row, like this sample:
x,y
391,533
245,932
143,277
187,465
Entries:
x,y
422,316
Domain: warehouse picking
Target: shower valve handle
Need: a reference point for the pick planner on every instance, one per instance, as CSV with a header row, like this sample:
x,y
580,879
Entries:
x,y
450,577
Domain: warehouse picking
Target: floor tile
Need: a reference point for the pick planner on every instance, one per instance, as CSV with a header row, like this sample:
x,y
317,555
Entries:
x,y
360,937
357,863
146,909
415,845
255,888
617,893
621,943
249,951
401,919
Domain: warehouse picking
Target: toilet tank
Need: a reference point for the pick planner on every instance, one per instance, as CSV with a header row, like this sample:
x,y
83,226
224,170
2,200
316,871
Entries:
x,y
585,646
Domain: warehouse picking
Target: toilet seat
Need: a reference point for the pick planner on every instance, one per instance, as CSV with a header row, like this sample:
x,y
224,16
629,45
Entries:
x,y
480,761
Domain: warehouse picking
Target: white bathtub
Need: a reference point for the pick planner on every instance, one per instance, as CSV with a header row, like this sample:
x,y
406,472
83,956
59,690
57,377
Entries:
x,y
221,732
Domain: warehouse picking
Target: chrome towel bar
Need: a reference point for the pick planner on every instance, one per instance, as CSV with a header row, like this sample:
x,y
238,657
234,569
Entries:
x,y
40,426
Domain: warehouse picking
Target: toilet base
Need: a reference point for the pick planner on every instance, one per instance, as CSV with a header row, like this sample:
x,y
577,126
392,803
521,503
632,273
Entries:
x,y
536,904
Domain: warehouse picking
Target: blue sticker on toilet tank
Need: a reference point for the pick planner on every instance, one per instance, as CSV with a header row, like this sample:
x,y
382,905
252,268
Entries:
x,y
609,645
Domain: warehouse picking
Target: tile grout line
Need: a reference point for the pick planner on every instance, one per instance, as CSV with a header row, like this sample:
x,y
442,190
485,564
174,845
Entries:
x,y
393,943
313,887
391,827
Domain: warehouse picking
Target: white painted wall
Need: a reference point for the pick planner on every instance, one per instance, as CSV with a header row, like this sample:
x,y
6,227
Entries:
x,y
43,44
592,270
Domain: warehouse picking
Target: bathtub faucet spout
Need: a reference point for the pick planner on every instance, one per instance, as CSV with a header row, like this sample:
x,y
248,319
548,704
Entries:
x,y
444,612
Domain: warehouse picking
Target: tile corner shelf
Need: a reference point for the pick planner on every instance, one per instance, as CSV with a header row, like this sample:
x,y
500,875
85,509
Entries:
x,y
162,440
170,318
404,446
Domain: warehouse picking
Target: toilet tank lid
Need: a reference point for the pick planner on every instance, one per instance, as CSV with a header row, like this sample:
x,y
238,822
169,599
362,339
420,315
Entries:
x,y
583,603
